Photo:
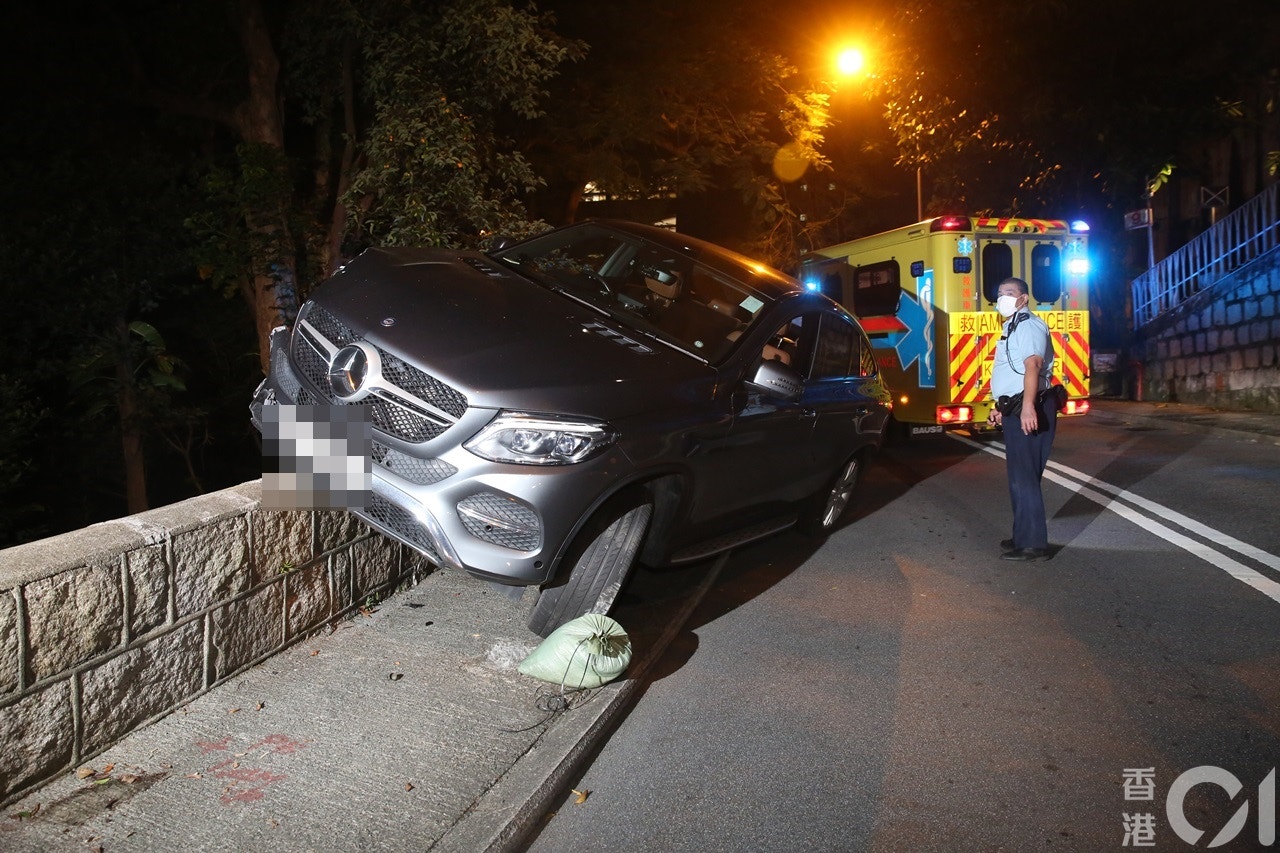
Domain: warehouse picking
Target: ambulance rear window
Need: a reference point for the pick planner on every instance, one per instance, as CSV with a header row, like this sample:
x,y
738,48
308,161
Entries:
x,y
1046,273
997,265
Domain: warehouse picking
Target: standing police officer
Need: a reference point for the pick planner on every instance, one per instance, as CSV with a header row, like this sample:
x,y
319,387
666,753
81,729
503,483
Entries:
x,y
1024,365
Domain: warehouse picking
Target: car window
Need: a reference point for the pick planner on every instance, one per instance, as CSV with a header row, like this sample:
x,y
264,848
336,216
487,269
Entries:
x,y
837,351
655,289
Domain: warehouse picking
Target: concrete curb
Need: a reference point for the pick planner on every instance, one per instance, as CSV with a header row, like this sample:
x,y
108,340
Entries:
x,y
504,818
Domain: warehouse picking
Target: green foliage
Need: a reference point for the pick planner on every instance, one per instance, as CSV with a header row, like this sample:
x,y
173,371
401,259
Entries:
x,y
1047,105
251,187
430,85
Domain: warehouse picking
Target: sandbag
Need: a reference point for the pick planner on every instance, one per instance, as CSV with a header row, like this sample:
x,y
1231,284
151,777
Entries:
x,y
581,654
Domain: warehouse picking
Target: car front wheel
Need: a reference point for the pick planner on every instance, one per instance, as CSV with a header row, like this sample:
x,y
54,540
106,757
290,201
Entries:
x,y
601,561
825,508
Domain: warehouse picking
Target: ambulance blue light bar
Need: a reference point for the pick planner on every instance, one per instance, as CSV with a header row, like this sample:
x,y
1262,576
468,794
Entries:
x,y
1079,226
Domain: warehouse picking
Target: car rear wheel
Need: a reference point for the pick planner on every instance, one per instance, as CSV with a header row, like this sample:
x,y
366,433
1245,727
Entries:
x,y
825,508
602,558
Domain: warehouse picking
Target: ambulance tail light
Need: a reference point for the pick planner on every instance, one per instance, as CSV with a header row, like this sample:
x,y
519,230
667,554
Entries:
x,y
951,223
1076,407
954,414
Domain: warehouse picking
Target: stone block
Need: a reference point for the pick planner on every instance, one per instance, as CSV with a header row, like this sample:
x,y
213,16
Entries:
x,y
414,565
38,733
375,563
1235,360
9,661
1175,348
335,528
1252,358
246,630
73,617
1228,338
340,575
1211,339
142,683
97,543
210,564
1235,312
307,599
1219,314
148,579
281,542
1193,322
1251,310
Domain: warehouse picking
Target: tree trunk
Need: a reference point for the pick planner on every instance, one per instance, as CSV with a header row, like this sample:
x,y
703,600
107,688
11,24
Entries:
x,y
338,222
135,465
259,120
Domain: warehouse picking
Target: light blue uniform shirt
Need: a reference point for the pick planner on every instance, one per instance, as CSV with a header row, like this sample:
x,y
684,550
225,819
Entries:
x,y
1030,337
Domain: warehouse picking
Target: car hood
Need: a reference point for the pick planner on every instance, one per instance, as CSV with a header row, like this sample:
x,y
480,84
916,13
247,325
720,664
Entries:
x,y
505,341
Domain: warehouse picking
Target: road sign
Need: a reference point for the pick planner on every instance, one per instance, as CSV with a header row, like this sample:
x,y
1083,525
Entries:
x,y
1135,219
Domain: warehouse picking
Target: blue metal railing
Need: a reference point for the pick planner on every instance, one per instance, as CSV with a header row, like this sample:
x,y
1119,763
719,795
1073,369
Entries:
x,y
1241,236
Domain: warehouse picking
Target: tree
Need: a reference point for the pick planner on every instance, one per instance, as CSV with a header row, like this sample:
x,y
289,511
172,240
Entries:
x,y
680,104
401,98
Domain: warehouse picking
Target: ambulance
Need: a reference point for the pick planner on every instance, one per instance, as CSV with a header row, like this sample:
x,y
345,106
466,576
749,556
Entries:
x,y
925,294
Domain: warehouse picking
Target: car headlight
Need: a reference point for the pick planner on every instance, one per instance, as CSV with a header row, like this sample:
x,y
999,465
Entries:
x,y
540,440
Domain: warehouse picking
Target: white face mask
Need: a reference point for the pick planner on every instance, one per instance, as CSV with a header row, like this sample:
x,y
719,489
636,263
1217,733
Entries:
x,y
1007,305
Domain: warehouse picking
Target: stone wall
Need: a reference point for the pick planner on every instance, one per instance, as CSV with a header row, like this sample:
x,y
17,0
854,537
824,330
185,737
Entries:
x,y
1219,348
105,629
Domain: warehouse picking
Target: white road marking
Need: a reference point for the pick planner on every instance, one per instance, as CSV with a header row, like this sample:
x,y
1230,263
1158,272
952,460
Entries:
x,y
1084,485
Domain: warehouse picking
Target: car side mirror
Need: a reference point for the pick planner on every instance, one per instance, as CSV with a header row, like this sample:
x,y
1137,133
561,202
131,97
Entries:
x,y
500,242
776,379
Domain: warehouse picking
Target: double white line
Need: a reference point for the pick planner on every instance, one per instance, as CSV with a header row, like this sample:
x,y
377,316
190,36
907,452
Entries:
x,y
1108,497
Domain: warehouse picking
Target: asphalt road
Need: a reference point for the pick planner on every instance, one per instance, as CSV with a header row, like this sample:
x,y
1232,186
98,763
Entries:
x,y
902,688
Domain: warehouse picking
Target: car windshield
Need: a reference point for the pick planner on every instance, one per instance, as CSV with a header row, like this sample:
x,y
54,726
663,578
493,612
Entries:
x,y
656,290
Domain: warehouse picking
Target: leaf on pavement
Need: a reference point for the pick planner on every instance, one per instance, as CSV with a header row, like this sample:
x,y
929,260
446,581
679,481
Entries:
x,y
84,772
580,796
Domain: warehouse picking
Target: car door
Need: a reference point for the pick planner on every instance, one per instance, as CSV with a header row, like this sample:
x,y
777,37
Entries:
x,y
750,474
843,392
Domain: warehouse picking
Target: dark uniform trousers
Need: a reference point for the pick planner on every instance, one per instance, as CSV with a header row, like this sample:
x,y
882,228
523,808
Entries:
x,y
1025,457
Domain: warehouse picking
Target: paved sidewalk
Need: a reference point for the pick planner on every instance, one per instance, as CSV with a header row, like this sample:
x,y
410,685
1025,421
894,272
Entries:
x,y
407,728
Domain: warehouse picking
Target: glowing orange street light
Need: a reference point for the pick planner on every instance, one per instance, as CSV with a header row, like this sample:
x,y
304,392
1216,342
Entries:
x,y
850,61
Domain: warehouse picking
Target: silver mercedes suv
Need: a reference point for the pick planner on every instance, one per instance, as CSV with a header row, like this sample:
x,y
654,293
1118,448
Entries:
x,y
553,411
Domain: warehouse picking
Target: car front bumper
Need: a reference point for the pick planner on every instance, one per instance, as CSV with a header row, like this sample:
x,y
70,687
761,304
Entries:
x,y
497,521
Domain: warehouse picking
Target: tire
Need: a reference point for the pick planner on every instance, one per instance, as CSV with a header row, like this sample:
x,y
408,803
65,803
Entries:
x,y
825,509
602,559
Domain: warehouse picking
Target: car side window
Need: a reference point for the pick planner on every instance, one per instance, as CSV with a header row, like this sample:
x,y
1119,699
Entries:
x,y
784,344
868,363
837,352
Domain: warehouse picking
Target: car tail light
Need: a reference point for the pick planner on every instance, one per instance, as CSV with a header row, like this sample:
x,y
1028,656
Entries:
x,y
955,414
1076,407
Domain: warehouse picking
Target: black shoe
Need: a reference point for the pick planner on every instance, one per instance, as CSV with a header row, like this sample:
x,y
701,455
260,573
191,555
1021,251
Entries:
x,y
1006,544
1026,555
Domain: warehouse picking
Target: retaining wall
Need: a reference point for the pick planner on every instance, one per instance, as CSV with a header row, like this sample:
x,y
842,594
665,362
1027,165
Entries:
x,y
1220,347
105,629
